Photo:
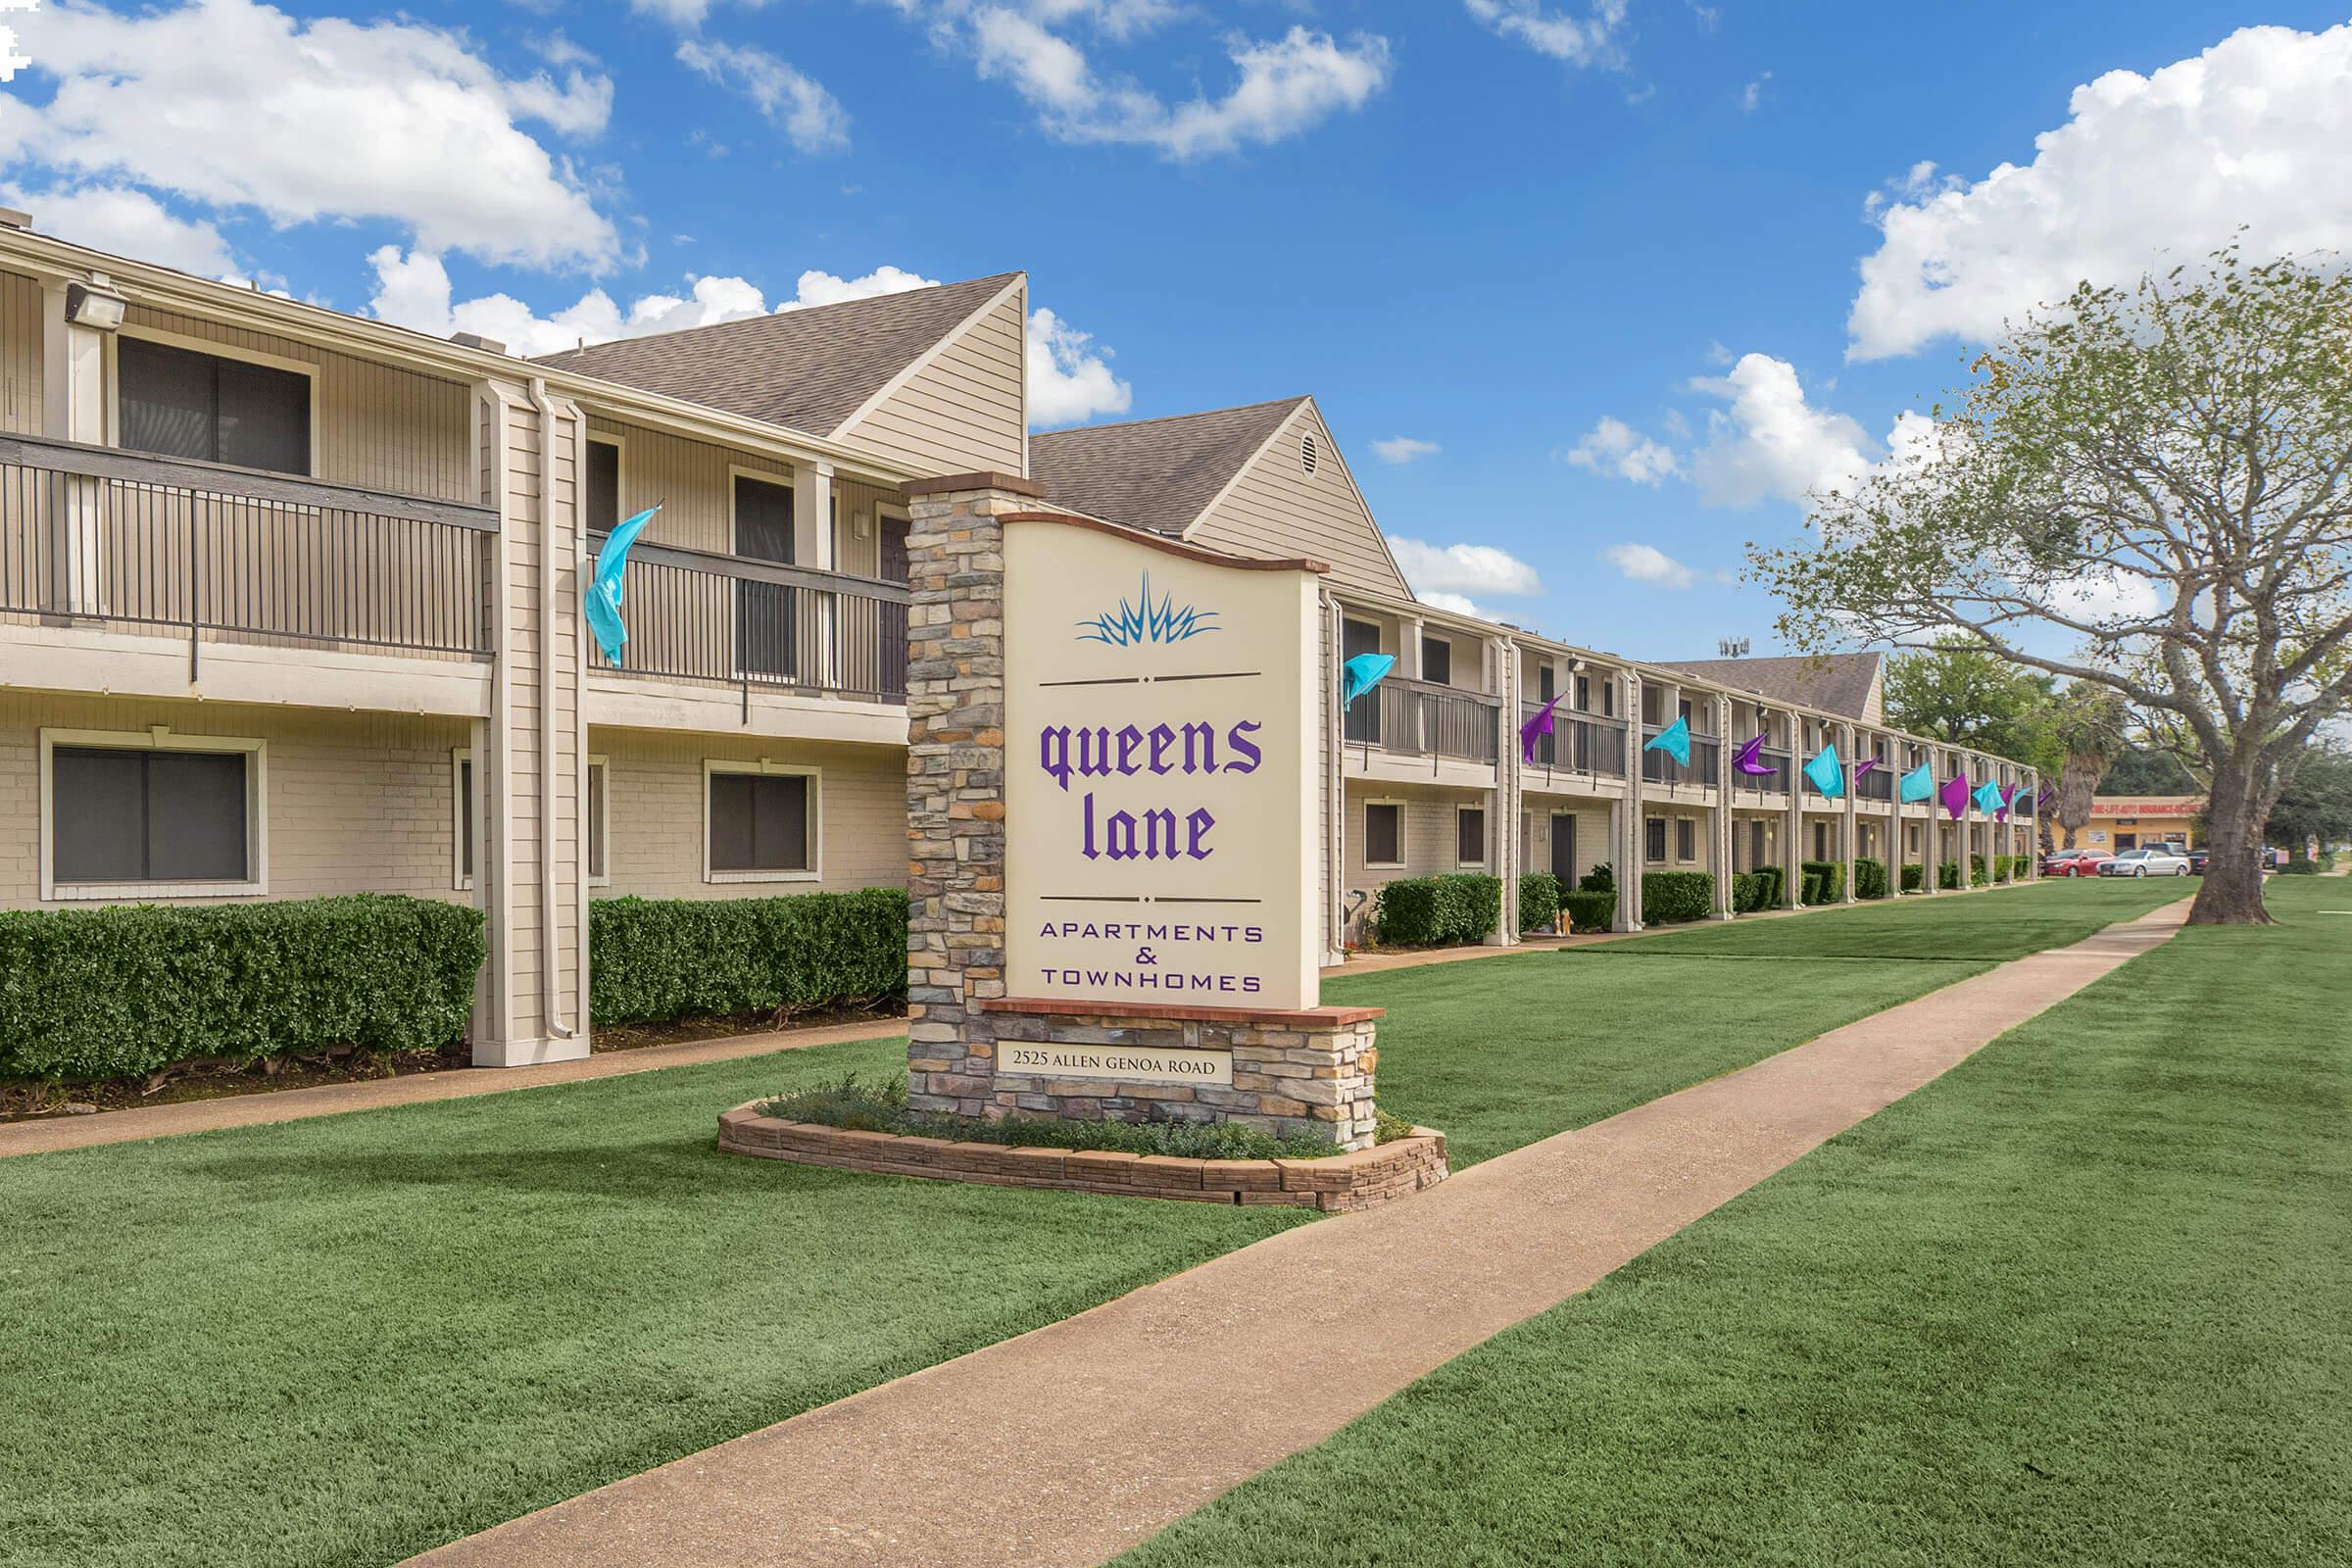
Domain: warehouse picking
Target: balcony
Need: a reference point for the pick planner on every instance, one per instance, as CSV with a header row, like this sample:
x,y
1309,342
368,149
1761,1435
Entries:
x,y
1775,782
1659,768
1875,785
1413,719
110,539
1578,744
759,625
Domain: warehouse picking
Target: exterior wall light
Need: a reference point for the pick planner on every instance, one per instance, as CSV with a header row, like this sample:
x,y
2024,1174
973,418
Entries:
x,y
94,305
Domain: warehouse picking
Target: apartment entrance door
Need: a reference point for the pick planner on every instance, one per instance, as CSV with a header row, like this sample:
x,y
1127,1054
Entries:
x,y
1563,848
765,616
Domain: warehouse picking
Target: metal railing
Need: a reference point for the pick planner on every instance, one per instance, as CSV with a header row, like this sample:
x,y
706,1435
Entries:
x,y
1419,718
1875,785
96,533
696,615
1578,744
1775,782
1659,768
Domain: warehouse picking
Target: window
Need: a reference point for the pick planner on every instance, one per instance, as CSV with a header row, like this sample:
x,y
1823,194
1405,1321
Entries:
x,y
1682,709
1686,839
1470,835
1653,705
151,810
598,805
1384,833
1437,661
762,822
1756,851
1362,721
603,484
1584,694
179,402
462,809
1653,835
1609,698
1821,841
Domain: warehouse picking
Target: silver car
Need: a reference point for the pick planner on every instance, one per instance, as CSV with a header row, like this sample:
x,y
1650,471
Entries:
x,y
2154,860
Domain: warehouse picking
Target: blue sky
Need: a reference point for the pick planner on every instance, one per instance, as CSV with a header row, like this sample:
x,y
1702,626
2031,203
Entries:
x,y
1616,282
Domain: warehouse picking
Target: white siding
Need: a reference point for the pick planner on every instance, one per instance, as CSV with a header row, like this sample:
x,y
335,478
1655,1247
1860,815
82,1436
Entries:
x,y
1277,509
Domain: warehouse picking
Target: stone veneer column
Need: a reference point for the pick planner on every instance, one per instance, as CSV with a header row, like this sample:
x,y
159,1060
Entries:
x,y
956,784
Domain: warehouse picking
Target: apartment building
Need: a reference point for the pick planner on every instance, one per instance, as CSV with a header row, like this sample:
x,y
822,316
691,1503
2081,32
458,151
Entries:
x,y
290,605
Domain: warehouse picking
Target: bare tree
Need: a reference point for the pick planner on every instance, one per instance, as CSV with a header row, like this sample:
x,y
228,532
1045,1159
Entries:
x,y
2143,489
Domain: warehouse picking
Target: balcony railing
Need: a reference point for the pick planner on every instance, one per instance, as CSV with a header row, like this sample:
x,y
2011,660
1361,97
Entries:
x,y
1659,768
753,624
1419,718
1578,745
1875,785
96,534
1775,782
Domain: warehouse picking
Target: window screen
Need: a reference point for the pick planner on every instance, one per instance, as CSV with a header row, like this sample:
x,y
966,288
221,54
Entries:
x,y
181,404
1437,661
466,817
1470,836
758,822
1686,839
596,819
120,816
1384,834
603,486
1653,833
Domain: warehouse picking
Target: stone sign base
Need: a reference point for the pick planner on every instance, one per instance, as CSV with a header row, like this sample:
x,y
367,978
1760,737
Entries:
x,y
1279,1071
1339,1184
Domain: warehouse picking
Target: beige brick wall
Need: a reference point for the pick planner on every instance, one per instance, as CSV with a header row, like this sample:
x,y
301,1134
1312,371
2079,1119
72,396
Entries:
x,y
1592,846
358,802
654,816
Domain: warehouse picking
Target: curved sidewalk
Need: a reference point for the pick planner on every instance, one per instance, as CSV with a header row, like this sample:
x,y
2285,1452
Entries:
x,y
1075,1441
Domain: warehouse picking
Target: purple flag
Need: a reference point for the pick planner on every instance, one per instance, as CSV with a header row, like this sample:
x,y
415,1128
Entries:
x,y
2041,802
1865,765
1955,797
1746,759
1533,728
2008,799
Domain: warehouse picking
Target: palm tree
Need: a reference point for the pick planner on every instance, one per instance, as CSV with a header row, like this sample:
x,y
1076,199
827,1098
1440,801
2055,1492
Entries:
x,y
2091,725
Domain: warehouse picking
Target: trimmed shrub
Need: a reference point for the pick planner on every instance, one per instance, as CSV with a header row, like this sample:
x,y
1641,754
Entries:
x,y
1825,881
1808,886
1870,878
1976,871
1538,900
655,959
1588,910
1775,885
1748,891
1600,879
1915,878
1441,911
1947,875
1668,896
130,988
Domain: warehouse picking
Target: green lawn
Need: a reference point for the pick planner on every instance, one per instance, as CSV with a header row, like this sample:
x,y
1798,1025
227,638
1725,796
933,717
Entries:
x,y
343,1340
2086,1299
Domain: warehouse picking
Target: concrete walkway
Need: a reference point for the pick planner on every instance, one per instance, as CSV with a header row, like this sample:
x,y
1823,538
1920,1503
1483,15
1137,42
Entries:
x,y
51,1134
1070,1443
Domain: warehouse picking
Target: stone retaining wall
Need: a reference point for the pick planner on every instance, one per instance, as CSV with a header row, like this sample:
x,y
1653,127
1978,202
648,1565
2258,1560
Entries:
x,y
1339,1183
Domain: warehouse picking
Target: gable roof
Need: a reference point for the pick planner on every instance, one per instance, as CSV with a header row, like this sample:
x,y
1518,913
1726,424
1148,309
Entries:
x,y
1154,474
809,370
1835,684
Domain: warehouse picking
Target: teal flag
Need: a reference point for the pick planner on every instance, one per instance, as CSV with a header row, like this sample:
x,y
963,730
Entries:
x,y
1361,674
1919,783
603,585
1988,797
1823,773
1675,741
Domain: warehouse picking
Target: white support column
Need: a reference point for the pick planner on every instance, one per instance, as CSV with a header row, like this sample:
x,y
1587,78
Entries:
x,y
1793,820
1635,838
1408,647
1502,678
1720,820
1853,819
815,545
73,408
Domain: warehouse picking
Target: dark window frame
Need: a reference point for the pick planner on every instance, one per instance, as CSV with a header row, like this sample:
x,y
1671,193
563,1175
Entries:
x,y
246,377
1395,855
1686,840
720,863
1462,816
1653,841
107,773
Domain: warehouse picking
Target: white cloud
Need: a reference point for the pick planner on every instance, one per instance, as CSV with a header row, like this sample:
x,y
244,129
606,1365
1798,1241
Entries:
x,y
1067,380
1596,39
1456,604
1284,86
123,221
2147,171
1462,569
1751,96
1770,442
1615,447
1648,563
235,104
1403,449
794,103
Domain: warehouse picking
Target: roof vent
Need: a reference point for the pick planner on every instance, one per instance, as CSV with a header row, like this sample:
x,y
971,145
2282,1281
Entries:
x,y
1306,453
475,340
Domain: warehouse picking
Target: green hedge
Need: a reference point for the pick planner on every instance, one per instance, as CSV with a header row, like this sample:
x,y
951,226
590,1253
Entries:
x,y
1915,878
1538,900
1870,878
1776,886
1825,881
1976,871
1750,889
1600,879
2300,864
1438,911
655,959
130,988
1588,910
1947,875
1668,896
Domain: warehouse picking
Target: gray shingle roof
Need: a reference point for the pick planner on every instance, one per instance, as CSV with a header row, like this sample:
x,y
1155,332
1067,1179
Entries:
x,y
804,369
1156,475
1835,684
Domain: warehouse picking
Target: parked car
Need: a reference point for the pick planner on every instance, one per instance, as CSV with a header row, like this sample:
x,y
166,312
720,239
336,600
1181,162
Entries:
x,y
2153,860
2196,861
2072,863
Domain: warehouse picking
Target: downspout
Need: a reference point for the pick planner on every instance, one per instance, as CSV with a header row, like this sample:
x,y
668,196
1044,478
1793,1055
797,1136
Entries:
x,y
548,962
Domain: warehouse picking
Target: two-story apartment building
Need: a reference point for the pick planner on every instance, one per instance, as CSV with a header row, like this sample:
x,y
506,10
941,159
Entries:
x,y
290,605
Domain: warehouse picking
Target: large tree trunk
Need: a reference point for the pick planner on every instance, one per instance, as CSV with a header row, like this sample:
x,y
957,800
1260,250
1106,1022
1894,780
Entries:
x,y
2235,812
